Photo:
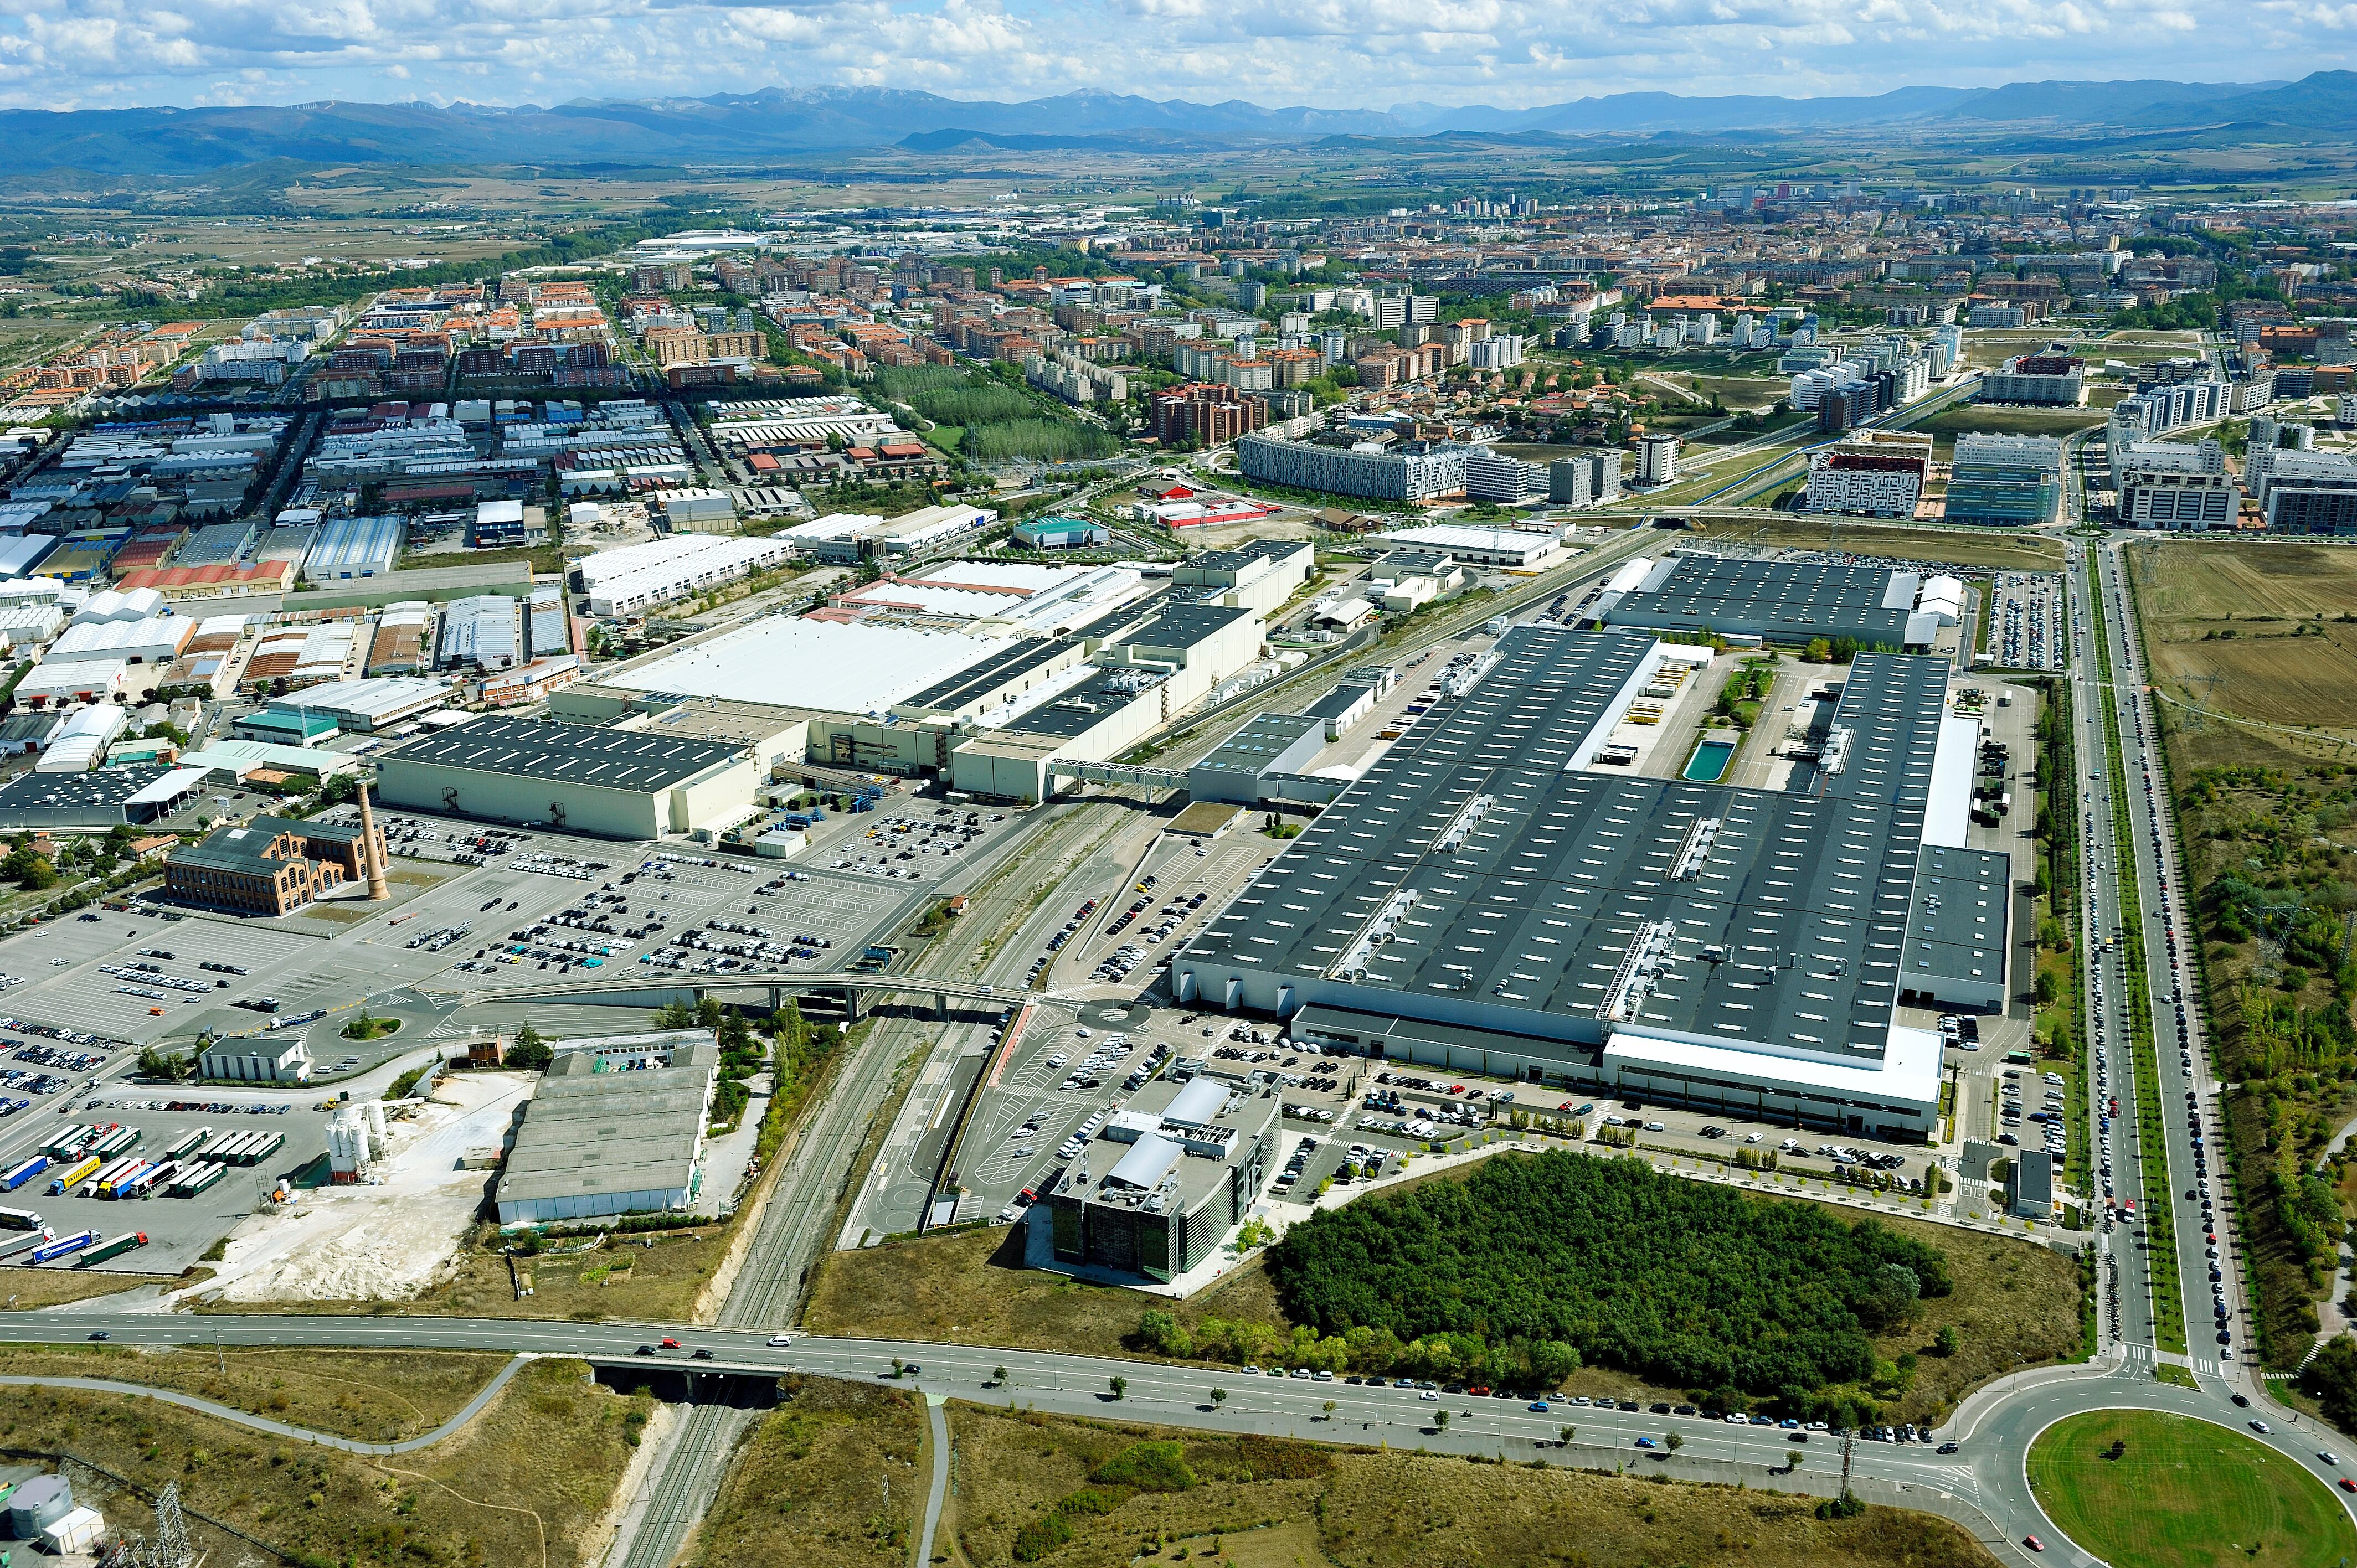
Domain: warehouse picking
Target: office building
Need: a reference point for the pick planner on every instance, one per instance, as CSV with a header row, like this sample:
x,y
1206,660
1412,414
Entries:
x,y
1165,1180
1417,472
1586,479
1657,459
1877,474
2005,481
1494,477
2054,379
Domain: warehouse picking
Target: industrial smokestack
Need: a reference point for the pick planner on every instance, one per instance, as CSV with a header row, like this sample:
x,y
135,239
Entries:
x,y
371,849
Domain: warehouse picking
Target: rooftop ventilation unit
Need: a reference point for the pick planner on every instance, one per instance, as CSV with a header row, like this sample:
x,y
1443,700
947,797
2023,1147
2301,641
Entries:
x,y
1452,837
1372,935
1648,953
1836,756
1695,854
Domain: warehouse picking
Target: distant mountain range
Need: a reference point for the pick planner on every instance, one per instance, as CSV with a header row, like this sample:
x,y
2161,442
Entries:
x,y
740,127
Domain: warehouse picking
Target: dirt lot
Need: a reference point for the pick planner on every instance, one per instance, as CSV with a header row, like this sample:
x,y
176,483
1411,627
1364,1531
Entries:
x,y
388,1243
834,1478
2015,1302
1980,547
374,1395
2220,624
1262,1503
522,1486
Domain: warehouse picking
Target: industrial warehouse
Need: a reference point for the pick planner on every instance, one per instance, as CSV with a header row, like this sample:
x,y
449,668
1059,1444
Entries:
x,y
1499,893
615,1126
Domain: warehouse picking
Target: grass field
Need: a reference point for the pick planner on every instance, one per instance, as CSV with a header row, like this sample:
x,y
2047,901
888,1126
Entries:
x,y
1265,1503
2219,621
2006,420
375,1395
1991,549
2183,1494
834,1478
2015,1304
520,1487
21,1290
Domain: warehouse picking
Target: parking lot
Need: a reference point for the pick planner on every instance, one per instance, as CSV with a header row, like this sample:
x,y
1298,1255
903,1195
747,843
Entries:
x,y
2026,628
180,1229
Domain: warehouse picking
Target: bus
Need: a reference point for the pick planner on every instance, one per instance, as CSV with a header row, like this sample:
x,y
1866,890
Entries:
x,y
2017,1059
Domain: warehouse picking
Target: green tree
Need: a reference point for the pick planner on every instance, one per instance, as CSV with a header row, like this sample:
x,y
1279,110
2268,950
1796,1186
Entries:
x,y
28,869
1568,1433
675,1014
1945,1341
1120,1387
168,1065
1676,1442
531,1052
1218,1397
1440,1419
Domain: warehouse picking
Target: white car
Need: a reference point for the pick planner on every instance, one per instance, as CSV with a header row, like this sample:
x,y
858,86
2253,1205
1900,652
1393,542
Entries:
x,y
781,1341
1429,1394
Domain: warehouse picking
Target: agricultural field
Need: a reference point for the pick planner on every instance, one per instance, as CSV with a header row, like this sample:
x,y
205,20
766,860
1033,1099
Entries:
x,y
2177,1492
2265,630
1093,1494
2254,666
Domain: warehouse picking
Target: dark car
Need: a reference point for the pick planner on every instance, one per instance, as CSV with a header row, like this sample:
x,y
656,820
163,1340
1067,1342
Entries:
x,y
1945,1448
646,1349
702,1353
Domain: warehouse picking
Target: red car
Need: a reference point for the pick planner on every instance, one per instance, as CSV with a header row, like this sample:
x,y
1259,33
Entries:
x,y
670,1344
2346,1484
2033,1542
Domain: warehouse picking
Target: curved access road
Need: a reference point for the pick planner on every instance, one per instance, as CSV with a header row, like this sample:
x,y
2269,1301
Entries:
x,y
473,1408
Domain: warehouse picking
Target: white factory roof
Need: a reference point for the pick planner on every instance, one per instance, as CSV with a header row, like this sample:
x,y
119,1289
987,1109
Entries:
x,y
157,637
139,604
834,525
48,679
353,547
1948,804
22,553
378,699
834,666
170,787
1907,1077
655,555
1460,536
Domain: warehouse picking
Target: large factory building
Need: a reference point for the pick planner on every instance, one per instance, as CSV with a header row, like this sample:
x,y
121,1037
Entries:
x,y
1489,898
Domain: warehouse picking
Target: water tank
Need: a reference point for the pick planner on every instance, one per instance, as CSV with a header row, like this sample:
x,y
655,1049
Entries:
x,y
37,1504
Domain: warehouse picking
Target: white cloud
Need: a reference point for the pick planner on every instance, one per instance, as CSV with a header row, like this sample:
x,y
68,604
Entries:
x,y
1343,54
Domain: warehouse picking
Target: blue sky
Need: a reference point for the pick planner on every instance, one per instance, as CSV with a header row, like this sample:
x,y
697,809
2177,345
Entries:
x,y
1335,53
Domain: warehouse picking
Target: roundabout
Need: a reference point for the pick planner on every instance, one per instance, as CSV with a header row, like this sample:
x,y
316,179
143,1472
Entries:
x,y
2143,1489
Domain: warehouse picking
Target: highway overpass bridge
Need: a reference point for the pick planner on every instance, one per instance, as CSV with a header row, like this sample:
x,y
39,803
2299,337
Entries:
x,y
852,987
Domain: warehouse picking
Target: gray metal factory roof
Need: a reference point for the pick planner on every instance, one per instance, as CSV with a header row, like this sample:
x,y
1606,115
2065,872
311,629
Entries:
x,y
1182,625
1957,928
586,1132
1784,599
1472,871
576,754
1264,737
